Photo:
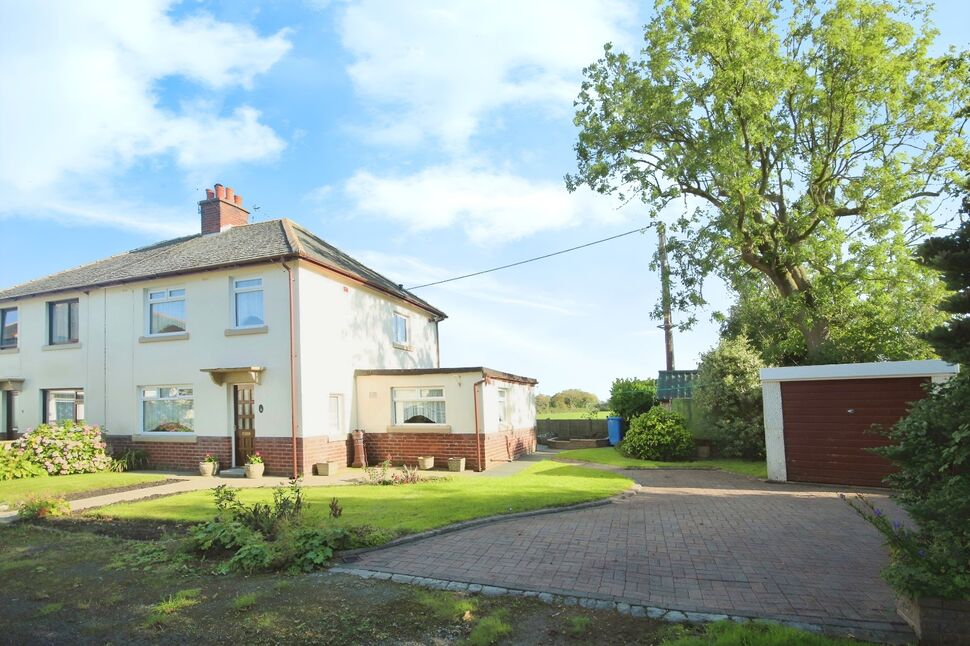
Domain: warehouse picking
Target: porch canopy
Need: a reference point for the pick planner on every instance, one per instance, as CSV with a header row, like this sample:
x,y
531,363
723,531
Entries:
x,y
11,383
241,375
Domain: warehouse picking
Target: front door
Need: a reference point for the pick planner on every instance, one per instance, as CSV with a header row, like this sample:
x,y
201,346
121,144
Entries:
x,y
245,417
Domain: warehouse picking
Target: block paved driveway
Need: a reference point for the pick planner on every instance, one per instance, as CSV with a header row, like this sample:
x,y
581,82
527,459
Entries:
x,y
702,541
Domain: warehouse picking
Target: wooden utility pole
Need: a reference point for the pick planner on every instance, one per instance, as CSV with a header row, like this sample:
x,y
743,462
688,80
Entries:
x,y
668,326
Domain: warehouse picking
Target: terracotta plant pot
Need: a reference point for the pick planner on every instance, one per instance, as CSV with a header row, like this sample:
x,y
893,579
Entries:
x,y
208,468
254,470
426,462
327,468
456,464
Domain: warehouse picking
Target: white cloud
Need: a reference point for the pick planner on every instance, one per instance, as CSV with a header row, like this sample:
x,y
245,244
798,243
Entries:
x,y
79,100
439,68
490,205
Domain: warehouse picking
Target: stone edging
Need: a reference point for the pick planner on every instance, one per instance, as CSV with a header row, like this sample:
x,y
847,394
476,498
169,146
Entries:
x,y
858,629
350,555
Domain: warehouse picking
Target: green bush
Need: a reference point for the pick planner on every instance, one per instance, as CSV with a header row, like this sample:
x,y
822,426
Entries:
x,y
658,435
728,392
65,448
263,536
16,464
632,397
42,507
931,451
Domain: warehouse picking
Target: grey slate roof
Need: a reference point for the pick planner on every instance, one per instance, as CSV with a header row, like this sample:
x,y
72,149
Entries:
x,y
250,244
675,384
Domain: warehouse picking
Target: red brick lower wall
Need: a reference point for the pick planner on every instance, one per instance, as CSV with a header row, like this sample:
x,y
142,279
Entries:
x,y
405,448
177,456
277,452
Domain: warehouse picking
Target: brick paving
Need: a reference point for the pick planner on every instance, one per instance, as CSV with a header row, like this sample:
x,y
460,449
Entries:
x,y
700,541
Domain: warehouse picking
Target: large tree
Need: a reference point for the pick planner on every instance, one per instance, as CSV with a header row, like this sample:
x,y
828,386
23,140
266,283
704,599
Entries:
x,y
810,142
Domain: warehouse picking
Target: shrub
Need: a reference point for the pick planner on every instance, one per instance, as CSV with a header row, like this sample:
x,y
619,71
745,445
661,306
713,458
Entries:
x,y
130,460
266,536
728,391
42,507
381,475
632,397
658,435
65,448
17,464
931,451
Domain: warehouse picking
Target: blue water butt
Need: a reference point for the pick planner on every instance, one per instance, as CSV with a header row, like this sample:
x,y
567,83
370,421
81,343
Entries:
x,y
614,429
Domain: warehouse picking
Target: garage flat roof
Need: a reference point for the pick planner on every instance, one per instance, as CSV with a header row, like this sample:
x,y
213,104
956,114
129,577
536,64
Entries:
x,y
485,372
876,370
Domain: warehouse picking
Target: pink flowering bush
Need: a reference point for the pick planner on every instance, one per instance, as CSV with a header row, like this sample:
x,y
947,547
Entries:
x,y
65,448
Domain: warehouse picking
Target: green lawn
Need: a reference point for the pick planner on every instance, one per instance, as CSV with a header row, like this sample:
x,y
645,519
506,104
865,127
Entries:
x,y
609,455
573,414
15,491
405,509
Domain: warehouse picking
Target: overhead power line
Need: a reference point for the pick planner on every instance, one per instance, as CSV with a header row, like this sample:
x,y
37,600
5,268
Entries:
x,y
523,262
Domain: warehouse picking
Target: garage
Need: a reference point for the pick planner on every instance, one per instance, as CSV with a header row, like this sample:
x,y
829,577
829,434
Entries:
x,y
818,419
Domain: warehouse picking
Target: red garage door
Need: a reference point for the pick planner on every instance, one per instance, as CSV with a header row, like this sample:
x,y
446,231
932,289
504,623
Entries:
x,y
827,426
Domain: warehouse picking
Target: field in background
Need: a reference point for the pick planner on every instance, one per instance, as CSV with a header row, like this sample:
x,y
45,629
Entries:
x,y
572,414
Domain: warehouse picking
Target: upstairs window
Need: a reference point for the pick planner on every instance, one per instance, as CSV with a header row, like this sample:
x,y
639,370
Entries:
x,y
247,296
419,405
167,409
8,328
63,406
62,321
166,311
402,331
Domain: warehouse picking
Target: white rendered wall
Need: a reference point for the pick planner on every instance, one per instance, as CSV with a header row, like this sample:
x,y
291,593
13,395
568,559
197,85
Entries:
x,y
523,406
375,406
345,326
774,431
111,364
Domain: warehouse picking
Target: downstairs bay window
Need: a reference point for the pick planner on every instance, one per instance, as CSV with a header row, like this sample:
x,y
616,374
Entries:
x,y
167,409
419,405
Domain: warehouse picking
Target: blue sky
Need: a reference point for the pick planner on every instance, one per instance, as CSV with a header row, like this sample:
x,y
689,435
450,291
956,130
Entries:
x,y
428,139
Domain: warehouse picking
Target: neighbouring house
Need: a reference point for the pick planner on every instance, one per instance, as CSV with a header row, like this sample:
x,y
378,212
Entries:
x,y
819,419
249,338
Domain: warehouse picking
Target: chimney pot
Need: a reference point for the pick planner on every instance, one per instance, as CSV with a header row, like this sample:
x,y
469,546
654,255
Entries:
x,y
238,200
220,191
229,194
209,194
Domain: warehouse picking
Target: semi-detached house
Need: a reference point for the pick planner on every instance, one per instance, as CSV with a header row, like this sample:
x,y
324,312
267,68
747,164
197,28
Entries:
x,y
245,338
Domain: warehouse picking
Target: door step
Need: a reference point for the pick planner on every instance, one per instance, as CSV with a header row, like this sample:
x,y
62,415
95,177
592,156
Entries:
x,y
235,472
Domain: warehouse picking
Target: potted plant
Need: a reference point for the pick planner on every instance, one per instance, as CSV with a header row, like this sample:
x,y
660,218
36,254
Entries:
x,y
456,464
209,465
426,462
254,466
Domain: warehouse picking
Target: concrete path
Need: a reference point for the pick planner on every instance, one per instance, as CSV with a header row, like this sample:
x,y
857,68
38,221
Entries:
x,y
696,541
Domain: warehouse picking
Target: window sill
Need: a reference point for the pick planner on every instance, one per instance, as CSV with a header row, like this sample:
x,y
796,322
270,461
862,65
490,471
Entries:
x,y
61,346
243,331
156,338
10,350
419,428
188,438
403,346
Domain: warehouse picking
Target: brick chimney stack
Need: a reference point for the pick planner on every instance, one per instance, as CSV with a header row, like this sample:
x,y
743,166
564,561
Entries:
x,y
222,209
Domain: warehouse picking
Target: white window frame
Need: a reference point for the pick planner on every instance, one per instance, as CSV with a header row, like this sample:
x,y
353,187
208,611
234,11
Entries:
x,y
397,404
236,289
406,344
338,400
141,409
504,406
50,397
168,298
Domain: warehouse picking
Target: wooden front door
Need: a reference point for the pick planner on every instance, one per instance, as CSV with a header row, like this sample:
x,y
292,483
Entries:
x,y
245,417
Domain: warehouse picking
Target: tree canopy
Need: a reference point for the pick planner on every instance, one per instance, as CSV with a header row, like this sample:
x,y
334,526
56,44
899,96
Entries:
x,y
809,142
